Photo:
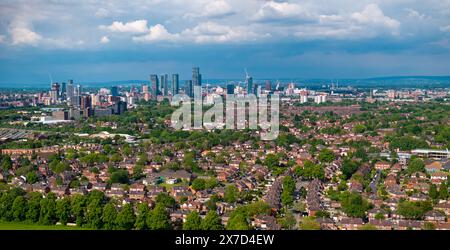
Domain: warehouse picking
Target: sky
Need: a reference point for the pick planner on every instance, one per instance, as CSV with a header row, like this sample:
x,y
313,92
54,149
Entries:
x,y
94,41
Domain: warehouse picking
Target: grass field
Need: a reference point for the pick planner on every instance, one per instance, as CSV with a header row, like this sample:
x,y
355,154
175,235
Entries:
x,y
28,226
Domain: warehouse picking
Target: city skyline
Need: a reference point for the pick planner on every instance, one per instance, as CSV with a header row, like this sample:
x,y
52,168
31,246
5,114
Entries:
x,y
111,40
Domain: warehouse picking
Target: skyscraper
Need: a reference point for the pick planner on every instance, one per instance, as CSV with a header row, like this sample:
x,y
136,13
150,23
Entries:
x,y
175,84
165,85
115,91
196,77
230,89
69,91
189,88
268,85
249,82
155,86
63,89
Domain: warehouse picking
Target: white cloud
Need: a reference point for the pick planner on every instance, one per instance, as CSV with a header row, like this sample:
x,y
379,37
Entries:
x,y
280,10
211,32
102,12
23,35
138,26
2,38
156,33
373,15
217,8
415,14
445,28
104,40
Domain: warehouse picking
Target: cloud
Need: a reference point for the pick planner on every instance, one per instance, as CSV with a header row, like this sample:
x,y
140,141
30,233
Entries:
x,y
138,26
211,32
2,38
102,12
373,15
271,11
23,35
445,28
104,40
156,33
217,8
415,14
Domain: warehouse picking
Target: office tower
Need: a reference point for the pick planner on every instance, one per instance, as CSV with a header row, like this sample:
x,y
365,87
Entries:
x,y
115,91
86,102
189,88
155,86
249,83
165,84
230,89
175,84
255,89
196,77
63,89
258,91
77,90
268,85
69,90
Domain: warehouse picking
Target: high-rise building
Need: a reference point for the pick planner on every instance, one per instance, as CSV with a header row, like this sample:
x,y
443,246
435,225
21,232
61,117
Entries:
x,y
155,86
175,84
63,90
86,102
268,85
196,77
189,88
115,91
230,89
69,91
144,88
249,83
165,84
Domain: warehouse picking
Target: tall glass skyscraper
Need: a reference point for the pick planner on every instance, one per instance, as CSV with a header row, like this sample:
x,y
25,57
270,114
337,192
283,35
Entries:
x,y
189,88
249,82
196,76
165,84
175,84
155,86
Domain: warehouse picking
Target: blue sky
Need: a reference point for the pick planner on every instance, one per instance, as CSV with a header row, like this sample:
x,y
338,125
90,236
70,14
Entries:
x,y
90,40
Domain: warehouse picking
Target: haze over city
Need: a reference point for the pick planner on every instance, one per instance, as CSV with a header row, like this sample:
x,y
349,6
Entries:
x,y
114,40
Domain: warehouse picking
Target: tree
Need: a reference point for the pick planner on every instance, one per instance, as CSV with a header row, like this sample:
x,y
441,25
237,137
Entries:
x,y
309,223
166,200
48,208
416,165
63,210
34,207
211,183
78,204
230,194
289,221
443,191
310,171
413,210
237,221
349,168
119,176
159,218
432,192
353,204
193,221
94,214
198,184
326,155
212,222
109,216
6,163
142,214
126,218
359,128
271,161
368,226
19,208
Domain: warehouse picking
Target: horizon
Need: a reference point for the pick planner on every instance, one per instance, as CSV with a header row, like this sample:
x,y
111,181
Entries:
x,y
102,41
